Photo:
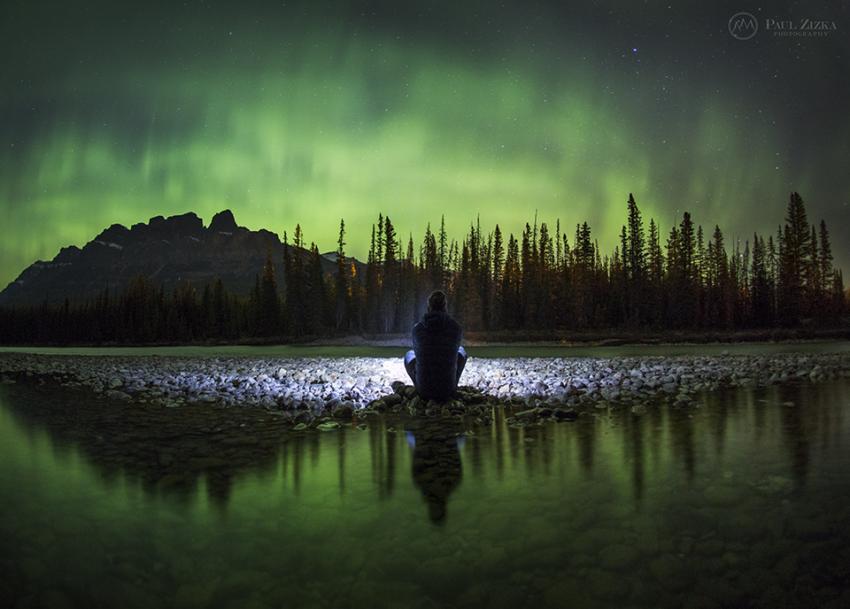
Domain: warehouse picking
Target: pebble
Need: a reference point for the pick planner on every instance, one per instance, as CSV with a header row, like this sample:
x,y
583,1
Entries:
x,y
342,386
639,409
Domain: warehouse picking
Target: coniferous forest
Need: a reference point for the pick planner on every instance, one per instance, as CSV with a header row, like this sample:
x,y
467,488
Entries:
x,y
547,280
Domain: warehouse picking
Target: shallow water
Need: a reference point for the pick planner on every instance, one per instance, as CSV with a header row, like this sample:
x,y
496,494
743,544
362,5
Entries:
x,y
741,502
634,350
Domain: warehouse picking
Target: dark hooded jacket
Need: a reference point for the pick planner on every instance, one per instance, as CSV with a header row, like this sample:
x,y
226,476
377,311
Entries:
x,y
435,342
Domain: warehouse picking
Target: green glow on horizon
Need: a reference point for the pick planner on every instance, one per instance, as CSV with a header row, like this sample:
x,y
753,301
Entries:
x,y
310,136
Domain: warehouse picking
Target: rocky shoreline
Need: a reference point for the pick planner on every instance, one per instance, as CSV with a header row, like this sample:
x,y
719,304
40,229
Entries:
x,y
317,391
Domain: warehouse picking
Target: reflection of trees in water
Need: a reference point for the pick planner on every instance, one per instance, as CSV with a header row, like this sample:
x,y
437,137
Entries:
x,y
512,439
502,447
633,431
167,451
475,459
293,458
795,434
654,428
759,406
829,415
539,446
682,439
717,406
382,445
340,456
498,435
171,451
586,436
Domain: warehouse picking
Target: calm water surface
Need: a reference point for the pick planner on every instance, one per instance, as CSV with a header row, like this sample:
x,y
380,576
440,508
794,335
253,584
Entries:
x,y
742,502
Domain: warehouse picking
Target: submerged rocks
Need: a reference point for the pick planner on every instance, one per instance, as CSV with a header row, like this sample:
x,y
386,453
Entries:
x,y
117,395
392,399
343,411
378,405
467,402
526,414
562,414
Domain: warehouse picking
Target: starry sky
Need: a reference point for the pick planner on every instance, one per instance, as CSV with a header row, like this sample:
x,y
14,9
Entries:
x,y
310,112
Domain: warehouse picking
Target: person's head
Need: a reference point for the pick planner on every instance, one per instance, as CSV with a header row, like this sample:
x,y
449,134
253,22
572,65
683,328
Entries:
x,y
437,302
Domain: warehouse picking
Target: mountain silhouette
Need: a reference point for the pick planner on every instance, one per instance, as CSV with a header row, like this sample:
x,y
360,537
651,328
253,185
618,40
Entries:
x,y
166,250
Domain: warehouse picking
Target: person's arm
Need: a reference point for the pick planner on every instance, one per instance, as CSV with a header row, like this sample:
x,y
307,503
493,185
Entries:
x,y
414,337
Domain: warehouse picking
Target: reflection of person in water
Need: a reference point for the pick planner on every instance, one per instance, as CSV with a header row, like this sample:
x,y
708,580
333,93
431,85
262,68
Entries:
x,y
436,466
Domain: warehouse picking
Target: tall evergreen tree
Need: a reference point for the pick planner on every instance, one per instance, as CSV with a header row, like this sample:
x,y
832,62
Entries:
x,y
511,306
269,301
342,291
760,288
294,282
634,263
655,274
318,315
389,291
825,260
443,249
794,248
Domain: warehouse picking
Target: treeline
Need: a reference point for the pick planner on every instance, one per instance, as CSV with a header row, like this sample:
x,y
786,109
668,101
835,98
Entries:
x,y
540,280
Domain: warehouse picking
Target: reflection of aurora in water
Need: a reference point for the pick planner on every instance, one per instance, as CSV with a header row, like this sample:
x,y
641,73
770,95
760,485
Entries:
x,y
175,452
746,470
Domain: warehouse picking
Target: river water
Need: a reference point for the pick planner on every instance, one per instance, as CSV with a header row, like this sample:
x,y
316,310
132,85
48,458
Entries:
x,y
739,502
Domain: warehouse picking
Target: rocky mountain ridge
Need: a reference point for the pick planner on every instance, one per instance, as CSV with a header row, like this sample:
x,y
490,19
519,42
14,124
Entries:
x,y
166,250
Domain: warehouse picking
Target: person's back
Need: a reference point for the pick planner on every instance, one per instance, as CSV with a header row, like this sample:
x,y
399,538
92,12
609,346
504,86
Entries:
x,y
437,359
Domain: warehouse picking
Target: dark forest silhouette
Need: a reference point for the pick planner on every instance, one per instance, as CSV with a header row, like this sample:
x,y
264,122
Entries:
x,y
540,281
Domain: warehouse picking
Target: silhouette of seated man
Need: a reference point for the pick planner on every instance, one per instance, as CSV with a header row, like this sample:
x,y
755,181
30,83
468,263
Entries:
x,y
437,359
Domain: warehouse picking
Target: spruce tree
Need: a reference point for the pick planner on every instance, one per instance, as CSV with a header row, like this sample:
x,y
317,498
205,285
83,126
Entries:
x,y
824,262
794,249
760,295
342,291
655,274
318,316
269,301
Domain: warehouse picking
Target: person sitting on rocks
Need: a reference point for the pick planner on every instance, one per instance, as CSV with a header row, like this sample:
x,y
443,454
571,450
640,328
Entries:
x,y
437,359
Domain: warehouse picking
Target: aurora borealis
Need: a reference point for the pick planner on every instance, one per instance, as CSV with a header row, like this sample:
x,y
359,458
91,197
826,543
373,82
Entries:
x,y
308,113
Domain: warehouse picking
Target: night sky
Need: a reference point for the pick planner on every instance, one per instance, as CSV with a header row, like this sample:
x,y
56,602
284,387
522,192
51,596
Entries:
x,y
308,113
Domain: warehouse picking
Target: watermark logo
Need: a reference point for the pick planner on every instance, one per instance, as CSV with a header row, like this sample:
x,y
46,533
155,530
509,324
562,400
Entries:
x,y
805,27
743,26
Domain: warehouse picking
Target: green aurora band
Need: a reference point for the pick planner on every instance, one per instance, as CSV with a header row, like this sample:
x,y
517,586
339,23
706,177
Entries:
x,y
312,123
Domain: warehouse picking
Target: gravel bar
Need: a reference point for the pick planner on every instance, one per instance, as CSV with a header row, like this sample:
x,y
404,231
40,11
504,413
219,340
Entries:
x,y
354,383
